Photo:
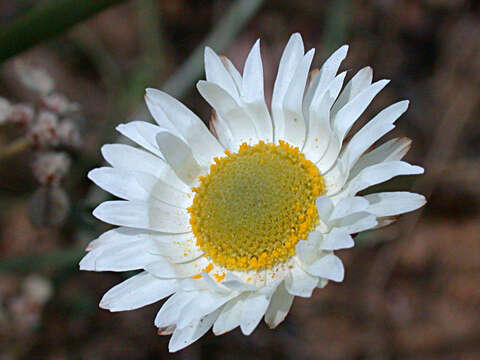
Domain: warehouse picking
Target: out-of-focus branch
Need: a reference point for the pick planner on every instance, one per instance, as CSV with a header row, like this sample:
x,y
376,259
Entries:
x,y
14,148
45,20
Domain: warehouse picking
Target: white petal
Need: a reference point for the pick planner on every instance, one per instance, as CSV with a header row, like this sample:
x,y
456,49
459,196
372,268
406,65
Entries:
x,y
394,203
119,235
394,149
230,316
329,267
279,306
181,338
237,119
178,252
372,131
153,215
319,131
222,132
131,131
299,283
162,268
131,159
172,308
216,73
254,307
327,73
234,73
347,115
253,94
330,156
179,156
356,223
234,283
379,173
118,182
357,83
324,207
201,305
294,122
138,291
306,250
337,239
348,206
291,57
335,178
121,256
162,191
190,127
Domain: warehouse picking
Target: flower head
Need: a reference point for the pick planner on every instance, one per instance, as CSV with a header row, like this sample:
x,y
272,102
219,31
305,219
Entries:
x,y
232,227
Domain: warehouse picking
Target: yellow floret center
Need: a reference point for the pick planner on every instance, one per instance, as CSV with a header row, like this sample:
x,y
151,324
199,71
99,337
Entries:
x,y
253,207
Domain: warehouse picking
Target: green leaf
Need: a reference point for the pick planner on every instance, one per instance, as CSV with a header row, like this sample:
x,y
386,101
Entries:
x,y
45,20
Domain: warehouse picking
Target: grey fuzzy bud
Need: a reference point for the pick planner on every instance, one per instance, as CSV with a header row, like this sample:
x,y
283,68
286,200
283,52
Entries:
x,y
49,168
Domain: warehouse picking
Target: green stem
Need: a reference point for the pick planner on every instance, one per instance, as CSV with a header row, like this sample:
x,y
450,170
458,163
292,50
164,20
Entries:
x,y
45,20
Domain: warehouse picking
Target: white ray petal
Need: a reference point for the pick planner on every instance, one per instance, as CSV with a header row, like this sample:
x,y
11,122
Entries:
x,y
118,182
130,130
172,308
291,57
131,159
294,122
379,173
124,256
138,291
356,223
345,117
253,95
180,157
201,305
394,203
319,131
329,267
164,269
181,338
279,307
216,73
254,307
337,239
230,316
325,76
357,83
299,283
190,127
234,73
162,191
152,215
371,132
394,149
348,206
237,119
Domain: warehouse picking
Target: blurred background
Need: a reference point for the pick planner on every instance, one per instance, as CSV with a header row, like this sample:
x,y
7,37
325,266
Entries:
x,y
70,71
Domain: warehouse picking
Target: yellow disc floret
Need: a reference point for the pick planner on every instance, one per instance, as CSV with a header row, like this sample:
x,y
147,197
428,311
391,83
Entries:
x,y
254,206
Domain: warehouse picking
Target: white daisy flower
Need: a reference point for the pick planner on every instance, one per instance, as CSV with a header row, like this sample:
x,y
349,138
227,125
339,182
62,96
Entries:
x,y
232,226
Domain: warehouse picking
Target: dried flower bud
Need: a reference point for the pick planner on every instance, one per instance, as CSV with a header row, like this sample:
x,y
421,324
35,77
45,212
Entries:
x,y
21,114
49,205
44,131
34,78
5,110
56,102
49,168
69,134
